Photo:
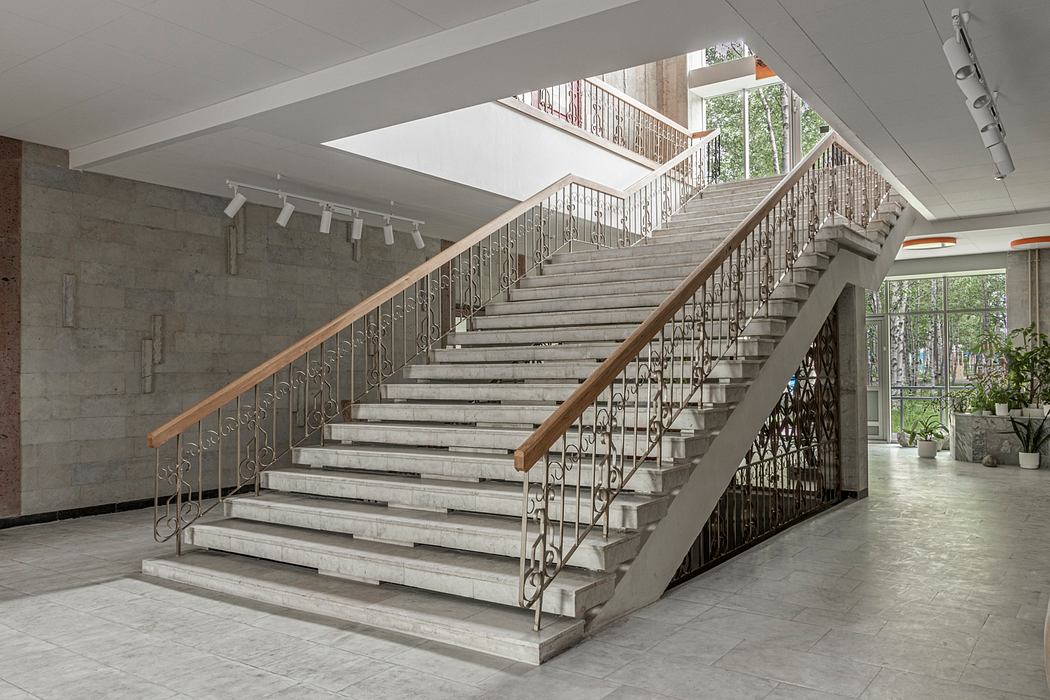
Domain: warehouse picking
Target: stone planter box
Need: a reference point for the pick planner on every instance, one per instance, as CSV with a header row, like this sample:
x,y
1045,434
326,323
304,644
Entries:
x,y
975,436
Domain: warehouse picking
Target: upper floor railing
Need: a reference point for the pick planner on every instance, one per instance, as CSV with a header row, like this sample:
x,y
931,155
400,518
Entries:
x,y
603,111
619,417
222,444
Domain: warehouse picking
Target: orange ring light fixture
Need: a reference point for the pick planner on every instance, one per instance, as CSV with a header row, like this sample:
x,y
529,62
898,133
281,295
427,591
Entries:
x,y
1030,243
929,242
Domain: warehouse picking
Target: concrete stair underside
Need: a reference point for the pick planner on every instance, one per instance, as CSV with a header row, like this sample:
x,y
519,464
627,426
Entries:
x,y
408,517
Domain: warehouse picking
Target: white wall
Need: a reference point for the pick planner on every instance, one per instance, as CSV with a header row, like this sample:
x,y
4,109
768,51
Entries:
x,y
494,148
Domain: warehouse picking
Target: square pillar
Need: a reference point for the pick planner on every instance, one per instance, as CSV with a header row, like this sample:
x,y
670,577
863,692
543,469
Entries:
x,y
853,407
10,326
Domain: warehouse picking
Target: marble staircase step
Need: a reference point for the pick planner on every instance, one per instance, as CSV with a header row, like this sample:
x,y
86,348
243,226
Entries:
x,y
443,570
629,511
674,446
717,394
472,532
650,478
485,627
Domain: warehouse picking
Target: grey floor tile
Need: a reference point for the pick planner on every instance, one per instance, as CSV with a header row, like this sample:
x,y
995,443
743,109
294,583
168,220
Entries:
x,y
684,678
830,674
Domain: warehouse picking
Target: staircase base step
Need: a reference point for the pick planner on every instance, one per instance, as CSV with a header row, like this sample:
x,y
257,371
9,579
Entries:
x,y
484,627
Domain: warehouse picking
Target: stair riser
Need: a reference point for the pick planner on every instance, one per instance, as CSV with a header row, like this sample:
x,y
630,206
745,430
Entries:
x,y
506,544
629,275
673,446
478,414
563,602
765,327
554,371
625,309
749,349
476,501
654,246
637,287
716,394
645,480
646,256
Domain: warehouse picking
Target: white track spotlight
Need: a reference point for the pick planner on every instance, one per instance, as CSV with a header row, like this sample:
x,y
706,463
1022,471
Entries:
x,y
388,231
235,204
326,218
983,117
417,237
991,135
976,92
286,212
1004,164
357,227
958,58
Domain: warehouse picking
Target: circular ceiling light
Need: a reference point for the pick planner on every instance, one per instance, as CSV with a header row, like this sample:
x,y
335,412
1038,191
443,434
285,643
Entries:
x,y
929,242
1030,243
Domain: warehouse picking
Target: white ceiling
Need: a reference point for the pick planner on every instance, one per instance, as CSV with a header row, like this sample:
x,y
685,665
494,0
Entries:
x,y
878,68
74,72
191,92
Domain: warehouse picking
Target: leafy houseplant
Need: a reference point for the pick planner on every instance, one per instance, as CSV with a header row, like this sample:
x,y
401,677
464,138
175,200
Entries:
x,y
1032,436
926,434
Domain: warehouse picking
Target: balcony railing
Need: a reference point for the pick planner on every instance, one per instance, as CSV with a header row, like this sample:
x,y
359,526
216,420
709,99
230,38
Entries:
x,y
223,444
603,111
618,418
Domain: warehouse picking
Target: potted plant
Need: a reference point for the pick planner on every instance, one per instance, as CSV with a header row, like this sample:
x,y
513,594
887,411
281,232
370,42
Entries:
x,y
1032,436
926,435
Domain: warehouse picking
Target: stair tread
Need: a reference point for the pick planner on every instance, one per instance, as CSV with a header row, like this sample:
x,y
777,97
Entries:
x,y
497,489
487,627
421,454
492,525
474,565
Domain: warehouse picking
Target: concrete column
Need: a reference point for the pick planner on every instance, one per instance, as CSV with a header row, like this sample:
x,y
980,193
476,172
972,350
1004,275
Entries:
x,y
1028,290
663,86
10,326
853,408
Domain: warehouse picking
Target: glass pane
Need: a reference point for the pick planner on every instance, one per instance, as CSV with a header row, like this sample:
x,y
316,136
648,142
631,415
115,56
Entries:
x,y
923,294
916,349
811,124
873,301
977,292
873,354
726,112
965,358
767,127
910,410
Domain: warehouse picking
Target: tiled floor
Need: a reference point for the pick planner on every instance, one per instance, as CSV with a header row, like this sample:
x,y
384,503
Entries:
x,y
934,587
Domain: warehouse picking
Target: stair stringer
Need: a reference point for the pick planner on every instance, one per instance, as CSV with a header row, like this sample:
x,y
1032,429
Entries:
x,y
648,574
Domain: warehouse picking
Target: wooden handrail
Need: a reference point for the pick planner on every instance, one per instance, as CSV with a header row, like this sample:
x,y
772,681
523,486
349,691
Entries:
x,y
231,391
550,431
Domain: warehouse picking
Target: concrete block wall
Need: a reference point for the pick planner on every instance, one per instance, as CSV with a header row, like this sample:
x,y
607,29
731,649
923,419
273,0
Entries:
x,y
135,251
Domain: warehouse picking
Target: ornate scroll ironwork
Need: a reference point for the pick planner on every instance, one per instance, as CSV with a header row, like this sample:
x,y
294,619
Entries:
x,y
793,469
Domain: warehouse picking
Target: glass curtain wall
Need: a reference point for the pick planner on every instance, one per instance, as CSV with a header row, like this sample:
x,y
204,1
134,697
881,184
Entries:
x,y
755,126
933,326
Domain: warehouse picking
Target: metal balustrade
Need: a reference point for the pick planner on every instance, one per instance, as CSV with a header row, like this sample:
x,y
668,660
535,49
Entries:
x,y
603,111
658,371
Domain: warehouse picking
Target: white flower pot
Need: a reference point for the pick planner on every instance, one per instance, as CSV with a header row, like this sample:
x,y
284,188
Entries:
x,y
1002,409
1028,460
927,448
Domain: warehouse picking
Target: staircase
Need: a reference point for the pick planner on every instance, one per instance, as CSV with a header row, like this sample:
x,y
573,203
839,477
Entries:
x,y
409,516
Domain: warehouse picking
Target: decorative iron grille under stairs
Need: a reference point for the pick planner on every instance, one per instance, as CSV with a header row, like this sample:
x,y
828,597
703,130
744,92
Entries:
x,y
396,449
